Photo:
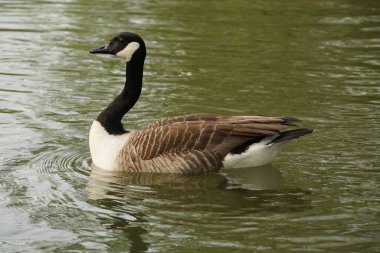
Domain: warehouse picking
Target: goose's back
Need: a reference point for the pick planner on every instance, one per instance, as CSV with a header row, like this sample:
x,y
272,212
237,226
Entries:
x,y
192,143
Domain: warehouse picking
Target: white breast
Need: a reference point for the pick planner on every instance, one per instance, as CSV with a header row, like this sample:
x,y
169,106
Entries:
x,y
104,147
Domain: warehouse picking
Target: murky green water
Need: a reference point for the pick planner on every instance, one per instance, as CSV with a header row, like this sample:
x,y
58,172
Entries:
x,y
317,60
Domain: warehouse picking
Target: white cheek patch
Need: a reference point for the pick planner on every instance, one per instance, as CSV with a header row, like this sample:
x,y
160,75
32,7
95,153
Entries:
x,y
128,51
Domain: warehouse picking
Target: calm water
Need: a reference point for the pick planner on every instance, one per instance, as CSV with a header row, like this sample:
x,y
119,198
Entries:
x,y
317,60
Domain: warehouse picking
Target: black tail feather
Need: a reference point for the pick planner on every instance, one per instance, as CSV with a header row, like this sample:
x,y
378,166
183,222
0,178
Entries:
x,y
290,121
291,134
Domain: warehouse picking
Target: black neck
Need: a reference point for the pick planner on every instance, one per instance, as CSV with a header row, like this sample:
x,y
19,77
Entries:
x,y
110,118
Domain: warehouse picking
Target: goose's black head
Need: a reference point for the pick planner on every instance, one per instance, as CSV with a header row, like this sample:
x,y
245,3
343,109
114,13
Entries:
x,y
124,45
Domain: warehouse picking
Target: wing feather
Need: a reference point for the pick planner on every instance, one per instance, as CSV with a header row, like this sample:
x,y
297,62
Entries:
x,y
202,132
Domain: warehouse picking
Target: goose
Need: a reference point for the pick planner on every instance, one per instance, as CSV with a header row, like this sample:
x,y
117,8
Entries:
x,y
193,143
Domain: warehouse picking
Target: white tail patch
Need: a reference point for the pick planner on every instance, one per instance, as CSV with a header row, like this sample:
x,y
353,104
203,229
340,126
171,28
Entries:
x,y
128,51
258,154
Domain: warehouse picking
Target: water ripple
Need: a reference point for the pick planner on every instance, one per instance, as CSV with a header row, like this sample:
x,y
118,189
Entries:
x,y
60,161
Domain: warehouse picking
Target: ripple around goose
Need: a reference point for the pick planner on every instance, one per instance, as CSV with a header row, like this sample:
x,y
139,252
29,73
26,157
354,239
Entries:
x,y
183,144
61,161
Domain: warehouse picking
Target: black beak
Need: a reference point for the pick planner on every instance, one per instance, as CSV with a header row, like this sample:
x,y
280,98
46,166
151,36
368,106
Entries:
x,y
100,50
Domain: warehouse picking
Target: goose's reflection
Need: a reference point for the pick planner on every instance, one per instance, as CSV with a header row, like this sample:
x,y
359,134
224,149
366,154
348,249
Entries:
x,y
238,192
111,184
157,200
256,178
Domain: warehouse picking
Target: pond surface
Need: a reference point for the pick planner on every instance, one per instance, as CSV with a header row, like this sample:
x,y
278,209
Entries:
x,y
316,60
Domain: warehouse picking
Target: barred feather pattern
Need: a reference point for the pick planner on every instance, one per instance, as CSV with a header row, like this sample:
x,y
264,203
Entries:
x,y
193,143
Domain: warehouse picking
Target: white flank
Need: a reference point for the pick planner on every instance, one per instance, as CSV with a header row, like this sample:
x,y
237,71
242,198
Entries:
x,y
128,51
258,154
104,147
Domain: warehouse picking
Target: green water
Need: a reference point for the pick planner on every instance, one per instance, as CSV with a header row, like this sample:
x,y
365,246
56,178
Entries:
x,y
316,60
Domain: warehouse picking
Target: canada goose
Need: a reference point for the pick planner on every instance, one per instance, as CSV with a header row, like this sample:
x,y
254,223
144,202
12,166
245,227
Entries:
x,y
183,144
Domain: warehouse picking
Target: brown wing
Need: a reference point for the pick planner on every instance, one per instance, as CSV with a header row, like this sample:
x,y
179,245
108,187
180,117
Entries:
x,y
190,117
209,133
